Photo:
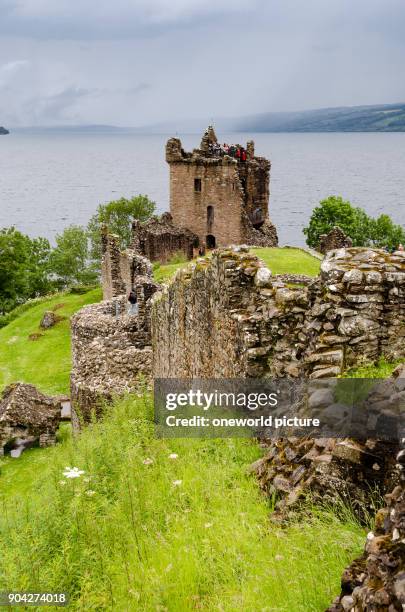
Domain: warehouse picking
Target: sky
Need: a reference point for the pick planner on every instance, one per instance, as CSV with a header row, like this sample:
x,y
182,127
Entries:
x,y
141,62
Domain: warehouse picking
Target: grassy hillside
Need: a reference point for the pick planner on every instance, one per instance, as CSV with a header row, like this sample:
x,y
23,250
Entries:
x,y
162,525
46,360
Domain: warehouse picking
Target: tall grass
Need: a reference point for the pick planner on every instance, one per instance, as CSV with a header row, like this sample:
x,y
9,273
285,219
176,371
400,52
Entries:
x,y
144,529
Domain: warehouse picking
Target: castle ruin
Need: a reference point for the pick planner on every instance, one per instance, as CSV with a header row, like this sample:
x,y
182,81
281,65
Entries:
x,y
221,199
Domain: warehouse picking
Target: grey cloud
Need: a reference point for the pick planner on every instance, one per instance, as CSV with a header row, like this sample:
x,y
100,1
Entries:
x,y
58,105
48,19
134,62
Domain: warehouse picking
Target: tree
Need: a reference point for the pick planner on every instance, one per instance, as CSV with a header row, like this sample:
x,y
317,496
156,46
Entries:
x,y
70,260
24,268
335,211
384,233
362,229
118,215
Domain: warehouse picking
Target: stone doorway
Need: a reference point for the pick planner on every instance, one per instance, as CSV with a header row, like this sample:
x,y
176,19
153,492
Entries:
x,y
210,241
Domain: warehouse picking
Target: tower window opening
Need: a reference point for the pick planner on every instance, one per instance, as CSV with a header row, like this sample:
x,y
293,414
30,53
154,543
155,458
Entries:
x,y
210,219
197,184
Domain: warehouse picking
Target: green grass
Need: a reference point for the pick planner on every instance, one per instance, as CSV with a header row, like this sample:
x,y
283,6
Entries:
x,y
382,369
280,261
289,261
164,272
142,543
45,362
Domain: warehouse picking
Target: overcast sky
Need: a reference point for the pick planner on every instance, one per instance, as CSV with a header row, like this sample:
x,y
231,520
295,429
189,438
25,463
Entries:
x,y
135,62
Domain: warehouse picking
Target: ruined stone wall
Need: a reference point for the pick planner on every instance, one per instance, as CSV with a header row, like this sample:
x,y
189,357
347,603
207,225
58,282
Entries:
x,y
158,239
254,176
220,188
236,192
228,316
376,580
336,469
111,351
119,269
335,239
26,414
111,276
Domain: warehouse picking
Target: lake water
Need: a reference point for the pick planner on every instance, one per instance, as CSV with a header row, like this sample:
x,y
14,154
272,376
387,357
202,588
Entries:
x,y
50,181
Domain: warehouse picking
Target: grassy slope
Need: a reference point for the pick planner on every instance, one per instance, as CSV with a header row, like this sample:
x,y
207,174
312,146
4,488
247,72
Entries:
x,y
45,362
139,542
279,260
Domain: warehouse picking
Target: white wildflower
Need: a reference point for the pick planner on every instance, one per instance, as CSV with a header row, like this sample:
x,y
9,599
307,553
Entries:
x,y
90,492
173,456
177,483
73,472
208,525
147,461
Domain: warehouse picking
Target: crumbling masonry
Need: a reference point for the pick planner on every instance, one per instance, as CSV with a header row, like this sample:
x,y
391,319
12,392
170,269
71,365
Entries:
x,y
221,200
111,350
229,316
26,414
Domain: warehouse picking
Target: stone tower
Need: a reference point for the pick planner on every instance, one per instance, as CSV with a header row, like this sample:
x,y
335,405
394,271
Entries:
x,y
219,197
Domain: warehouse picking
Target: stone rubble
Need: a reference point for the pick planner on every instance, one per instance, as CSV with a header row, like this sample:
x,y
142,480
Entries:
x,y
338,468
375,582
335,239
26,414
49,319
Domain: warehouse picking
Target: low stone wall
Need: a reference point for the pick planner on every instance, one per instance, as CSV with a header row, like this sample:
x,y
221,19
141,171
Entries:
x,y
228,316
112,351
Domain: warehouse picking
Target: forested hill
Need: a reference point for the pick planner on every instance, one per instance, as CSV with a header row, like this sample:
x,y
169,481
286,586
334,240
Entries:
x,y
3,131
379,118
